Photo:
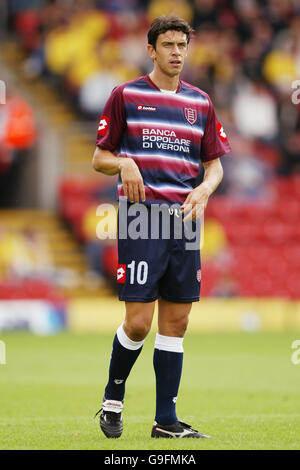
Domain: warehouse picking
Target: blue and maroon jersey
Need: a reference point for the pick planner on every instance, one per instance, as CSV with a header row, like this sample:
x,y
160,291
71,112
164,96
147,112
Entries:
x,y
166,134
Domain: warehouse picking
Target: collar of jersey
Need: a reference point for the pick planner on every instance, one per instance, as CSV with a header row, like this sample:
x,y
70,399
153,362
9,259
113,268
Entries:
x,y
149,81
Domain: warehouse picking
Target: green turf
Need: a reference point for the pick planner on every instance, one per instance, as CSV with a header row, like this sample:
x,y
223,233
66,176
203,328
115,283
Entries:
x,y
240,388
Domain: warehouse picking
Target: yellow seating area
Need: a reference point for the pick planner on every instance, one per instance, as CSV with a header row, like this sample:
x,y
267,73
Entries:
x,y
36,243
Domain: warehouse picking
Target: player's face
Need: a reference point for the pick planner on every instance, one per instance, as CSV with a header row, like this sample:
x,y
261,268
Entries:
x,y
170,52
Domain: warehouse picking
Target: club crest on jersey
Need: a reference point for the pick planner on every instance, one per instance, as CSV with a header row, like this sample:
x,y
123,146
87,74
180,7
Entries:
x,y
121,273
190,115
103,125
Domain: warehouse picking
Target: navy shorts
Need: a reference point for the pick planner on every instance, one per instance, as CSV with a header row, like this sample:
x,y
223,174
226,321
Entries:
x,y
158,263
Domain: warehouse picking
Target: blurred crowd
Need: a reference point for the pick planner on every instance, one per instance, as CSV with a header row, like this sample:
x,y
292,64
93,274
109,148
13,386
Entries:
x,y
17,134
245,54
24,254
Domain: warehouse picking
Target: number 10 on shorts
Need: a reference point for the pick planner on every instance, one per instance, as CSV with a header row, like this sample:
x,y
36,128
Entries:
x,y
138,272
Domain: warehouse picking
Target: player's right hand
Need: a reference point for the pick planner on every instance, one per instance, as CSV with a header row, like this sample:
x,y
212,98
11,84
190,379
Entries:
x,y
133,185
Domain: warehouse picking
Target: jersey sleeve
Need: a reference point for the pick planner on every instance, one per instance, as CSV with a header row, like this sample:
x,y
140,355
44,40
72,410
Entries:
x,y
214,142
112,122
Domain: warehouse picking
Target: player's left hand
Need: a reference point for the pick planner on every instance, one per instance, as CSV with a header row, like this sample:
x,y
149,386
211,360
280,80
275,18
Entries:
x,y
195,203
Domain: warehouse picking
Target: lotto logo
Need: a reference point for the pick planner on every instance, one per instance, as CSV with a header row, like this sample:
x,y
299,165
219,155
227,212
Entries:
x,y
121,273
103,125
198,275
221,131
141,107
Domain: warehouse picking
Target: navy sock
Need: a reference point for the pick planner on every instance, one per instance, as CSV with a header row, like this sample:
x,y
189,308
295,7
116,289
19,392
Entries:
x,y
121,362
168,368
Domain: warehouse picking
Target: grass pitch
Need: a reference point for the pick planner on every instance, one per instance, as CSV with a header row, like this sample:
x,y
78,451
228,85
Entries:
x,y
240,388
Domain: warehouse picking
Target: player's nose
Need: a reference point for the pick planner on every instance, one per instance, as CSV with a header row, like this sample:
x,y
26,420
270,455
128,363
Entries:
x,y
176,51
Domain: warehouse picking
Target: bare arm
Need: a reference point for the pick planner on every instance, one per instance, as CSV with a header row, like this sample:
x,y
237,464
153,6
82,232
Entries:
x,y
213,175
196,201
106,162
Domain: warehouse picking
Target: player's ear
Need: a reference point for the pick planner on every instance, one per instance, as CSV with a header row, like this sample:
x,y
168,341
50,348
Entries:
x,y
151,51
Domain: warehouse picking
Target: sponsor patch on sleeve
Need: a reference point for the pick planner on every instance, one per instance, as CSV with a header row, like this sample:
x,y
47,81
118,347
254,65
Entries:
x,y
103,125
221,132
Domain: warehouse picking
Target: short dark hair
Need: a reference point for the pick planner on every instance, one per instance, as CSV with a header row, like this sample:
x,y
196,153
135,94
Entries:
x,y
164,23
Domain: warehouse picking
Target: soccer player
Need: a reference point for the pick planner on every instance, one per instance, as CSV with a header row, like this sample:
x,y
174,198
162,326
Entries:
x,y
154,132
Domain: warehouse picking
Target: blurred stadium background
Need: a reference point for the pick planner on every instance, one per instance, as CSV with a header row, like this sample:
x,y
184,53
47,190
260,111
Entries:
x,y
59,61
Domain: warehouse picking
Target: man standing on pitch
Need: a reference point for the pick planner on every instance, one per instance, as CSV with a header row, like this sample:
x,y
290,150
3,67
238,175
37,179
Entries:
x,y
160,128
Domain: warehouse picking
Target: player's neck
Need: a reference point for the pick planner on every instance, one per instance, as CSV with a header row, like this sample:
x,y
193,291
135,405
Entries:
x,y
163,81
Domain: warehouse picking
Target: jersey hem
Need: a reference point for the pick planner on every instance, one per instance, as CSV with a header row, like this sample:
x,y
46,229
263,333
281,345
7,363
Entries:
x,y
136,299
171,299
181,300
